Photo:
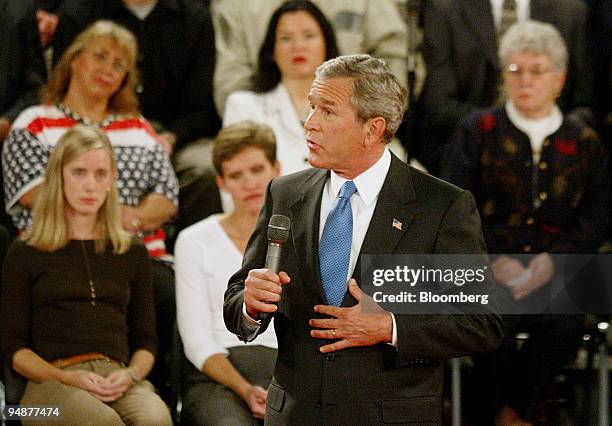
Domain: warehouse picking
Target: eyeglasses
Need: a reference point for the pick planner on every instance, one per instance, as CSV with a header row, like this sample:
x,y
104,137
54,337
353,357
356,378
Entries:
x,y
515,70
101,58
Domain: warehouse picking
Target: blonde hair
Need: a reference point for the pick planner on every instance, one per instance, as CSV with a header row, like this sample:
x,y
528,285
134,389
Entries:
x,y
49,231
125,100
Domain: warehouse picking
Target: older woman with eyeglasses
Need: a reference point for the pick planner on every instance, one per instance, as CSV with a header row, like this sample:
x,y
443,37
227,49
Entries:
x,y
541,183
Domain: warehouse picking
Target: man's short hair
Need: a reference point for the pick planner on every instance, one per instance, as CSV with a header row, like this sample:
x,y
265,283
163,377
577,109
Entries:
x,y
376,91
233,139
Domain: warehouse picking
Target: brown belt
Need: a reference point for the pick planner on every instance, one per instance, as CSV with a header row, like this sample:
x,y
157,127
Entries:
x,y
77,359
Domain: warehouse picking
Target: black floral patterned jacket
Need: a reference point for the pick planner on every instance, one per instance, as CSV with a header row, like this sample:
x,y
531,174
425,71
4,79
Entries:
x,y
559,205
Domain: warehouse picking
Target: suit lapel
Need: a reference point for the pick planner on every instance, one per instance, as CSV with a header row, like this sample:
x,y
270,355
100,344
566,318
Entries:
x,y
392,205
305,220
381,238
479,16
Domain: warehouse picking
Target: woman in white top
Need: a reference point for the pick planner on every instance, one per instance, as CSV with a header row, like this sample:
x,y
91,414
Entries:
x,y
229,386
299,39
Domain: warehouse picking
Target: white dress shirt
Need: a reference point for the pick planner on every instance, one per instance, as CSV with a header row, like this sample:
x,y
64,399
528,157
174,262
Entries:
x,y
141,11
522,11
363,203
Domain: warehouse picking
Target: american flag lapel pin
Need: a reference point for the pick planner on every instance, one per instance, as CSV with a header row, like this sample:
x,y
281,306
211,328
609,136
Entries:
x,y
397,224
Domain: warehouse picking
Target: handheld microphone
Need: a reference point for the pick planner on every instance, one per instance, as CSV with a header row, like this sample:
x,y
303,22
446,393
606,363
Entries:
x,y
278,233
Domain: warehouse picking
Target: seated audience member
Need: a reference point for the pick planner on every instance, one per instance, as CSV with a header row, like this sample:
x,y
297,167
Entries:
x,y
460,51
361,26
47,19
20,78
600,48
176,60
298,40
229,384
22,69
94,84
176,64
541,183
76,296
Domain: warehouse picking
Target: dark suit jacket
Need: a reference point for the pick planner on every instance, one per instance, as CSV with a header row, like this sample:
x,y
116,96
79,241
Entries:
x,y
460,52
600,49
22,67
366,385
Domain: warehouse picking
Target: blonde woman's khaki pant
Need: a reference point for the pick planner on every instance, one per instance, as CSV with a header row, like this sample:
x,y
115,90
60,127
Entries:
x,y
139,406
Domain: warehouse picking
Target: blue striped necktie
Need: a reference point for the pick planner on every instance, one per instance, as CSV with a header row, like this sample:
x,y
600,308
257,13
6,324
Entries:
x,y
335,246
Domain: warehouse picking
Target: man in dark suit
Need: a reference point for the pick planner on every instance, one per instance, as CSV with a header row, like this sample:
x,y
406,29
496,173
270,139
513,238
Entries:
x,y
600,49
22,70
337,364
463,72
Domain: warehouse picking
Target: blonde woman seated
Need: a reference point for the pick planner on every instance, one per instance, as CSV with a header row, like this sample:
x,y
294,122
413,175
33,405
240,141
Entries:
x,y
228,386
77,300
94,83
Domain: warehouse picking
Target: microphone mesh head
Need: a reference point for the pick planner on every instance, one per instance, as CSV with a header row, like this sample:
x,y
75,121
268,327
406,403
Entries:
x,y
278,228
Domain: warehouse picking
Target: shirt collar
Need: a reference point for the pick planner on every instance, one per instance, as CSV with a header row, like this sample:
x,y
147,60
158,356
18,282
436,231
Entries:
x,y
550,123
83,120
368,183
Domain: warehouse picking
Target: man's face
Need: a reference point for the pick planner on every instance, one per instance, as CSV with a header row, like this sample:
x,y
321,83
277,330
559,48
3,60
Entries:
x,y
334,133
47,24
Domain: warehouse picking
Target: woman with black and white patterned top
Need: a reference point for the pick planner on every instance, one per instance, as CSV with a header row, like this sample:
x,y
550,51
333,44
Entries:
x,y
93,84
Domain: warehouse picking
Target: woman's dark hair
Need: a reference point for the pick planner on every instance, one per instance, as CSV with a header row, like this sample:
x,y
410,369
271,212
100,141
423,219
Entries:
x,y
268,75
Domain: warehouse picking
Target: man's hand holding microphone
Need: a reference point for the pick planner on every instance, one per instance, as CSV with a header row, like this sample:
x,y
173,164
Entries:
x,y
263,287
346,327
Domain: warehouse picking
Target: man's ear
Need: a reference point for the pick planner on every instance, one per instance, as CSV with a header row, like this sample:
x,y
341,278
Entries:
x,y
375,130
220,182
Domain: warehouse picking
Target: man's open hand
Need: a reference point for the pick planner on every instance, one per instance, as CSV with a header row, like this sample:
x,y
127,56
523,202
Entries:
x,y
365,324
